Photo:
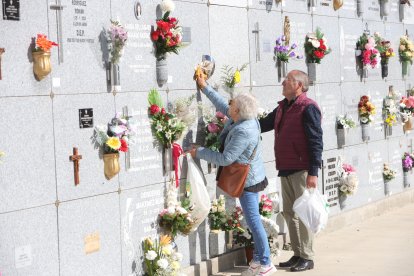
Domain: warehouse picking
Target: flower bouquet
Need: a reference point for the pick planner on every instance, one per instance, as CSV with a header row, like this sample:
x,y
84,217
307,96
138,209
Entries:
x,y
403,4
388,175
406,53
315,50
282,55
218,215
113,138
343,123
117,37
366,110
160,259
167,39
367,53
265,206
41,56
407,164
348,183
231,77
384,48
406,112
390,111
214,126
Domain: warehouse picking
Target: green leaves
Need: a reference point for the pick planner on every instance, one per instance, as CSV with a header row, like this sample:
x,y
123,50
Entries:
x,y
154,97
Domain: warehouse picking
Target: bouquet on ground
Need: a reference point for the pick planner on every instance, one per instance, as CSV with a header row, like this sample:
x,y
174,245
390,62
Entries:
x,y
233,220
231,76
407,161
160,258
214,126
367,52
285,52
384,48
406,108
388,173
345,122
315,47
348,180
117,36
168,35
218,215
166,127
265,206
366,110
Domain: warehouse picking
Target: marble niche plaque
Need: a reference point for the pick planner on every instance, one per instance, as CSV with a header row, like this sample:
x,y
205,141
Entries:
x,y
138,35
375,179
80,20
331,180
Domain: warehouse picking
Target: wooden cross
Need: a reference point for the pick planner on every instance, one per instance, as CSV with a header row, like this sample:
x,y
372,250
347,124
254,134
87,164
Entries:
x,y
1,52
75,158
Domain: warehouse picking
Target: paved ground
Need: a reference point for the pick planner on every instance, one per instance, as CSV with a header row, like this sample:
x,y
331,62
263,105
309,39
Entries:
x,y
380,246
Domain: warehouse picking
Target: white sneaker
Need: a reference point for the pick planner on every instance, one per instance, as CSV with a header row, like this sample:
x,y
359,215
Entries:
x,y
254,268
267,270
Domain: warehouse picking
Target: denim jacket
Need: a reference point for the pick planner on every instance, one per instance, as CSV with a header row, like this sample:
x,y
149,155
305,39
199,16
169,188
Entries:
x,y
240,139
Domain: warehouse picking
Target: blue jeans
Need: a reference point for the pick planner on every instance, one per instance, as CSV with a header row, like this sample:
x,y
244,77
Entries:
x,y
250,204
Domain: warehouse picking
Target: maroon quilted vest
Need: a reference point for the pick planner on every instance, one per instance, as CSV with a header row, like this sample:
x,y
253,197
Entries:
x,y
291,146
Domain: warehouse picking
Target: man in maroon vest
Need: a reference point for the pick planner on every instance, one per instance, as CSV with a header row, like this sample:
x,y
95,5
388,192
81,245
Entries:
x,y
298,147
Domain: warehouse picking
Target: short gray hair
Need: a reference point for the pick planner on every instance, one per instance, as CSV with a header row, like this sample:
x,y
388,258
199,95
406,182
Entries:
x,y
247,105
303,78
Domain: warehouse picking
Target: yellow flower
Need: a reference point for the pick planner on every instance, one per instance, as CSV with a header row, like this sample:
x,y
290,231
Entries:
x,y
165,240
175,265
236,76
149,242
114,143
166,250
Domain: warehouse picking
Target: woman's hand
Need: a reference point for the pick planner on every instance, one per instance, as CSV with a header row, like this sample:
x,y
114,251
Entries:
x,y
193,150
201,81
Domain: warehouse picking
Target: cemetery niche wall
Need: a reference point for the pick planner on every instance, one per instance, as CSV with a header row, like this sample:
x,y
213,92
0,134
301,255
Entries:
x,y
64,202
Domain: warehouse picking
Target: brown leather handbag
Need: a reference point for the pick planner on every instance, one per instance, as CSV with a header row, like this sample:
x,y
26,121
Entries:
x,y
233,177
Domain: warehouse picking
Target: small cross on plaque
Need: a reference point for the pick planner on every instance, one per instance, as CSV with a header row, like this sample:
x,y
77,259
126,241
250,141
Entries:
x,y
1,52
75,158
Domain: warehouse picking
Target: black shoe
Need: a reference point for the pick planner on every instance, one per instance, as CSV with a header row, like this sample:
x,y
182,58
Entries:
x,y
302,265
292,261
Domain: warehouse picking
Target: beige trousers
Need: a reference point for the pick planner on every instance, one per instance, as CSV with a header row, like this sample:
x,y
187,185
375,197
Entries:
x,y
301,238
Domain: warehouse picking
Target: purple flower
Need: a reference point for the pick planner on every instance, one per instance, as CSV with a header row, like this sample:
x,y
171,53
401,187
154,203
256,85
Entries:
x,y
407,162
278,41
293,46
292,54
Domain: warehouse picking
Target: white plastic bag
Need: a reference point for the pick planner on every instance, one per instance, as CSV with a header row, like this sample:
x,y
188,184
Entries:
x,y
312,210
199,197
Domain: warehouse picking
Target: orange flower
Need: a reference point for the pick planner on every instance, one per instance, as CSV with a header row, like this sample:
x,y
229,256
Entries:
x,y
165,240
43,43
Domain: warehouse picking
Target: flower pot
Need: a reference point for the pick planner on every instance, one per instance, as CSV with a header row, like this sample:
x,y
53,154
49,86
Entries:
x,y
364,72
384,70
162,71
340,137
388,130
385,7
406,68
111,165
387,187
365,132
41,64
342,201
408,125
312,72
406,183
402,12
167,161
115,77
312,3
360,7
217,243
249,253
281,69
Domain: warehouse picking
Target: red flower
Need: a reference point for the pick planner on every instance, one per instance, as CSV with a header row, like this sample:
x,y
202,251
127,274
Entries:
x,y
163,111
163,26
322,47
364,99
124,146
318,54
173,20
154,109
155,35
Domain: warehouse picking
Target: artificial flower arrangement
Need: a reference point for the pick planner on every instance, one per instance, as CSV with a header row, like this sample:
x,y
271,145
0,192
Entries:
x,y
345,122
113,138
366,110
348,180
233,220
214,126
218,215
368,54
388,173
385,51
285,52
315,49
406,111
231,76
390,111
265,206
117,37
406,54
407,161
160,258
166,39
41,56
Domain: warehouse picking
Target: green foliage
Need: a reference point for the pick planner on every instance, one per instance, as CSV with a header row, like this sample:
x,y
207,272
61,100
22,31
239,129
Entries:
x,y
154,97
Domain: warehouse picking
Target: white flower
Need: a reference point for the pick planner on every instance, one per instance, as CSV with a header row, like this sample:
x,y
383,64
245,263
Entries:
x,y
181,210
220,209
342,122
158,127
175,265
214,209
215,202
343,188
178,256
222,198
315,43
171,210
151,255
162,263
167,6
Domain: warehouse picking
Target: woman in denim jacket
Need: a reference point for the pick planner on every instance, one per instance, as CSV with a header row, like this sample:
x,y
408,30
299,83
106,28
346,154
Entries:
x,y
240,136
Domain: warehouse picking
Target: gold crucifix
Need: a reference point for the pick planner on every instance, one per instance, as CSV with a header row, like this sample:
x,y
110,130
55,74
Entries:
x,y
1,52
75,158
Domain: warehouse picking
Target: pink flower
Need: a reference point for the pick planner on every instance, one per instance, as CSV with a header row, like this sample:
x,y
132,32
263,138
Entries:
x,y
348,168
213,128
